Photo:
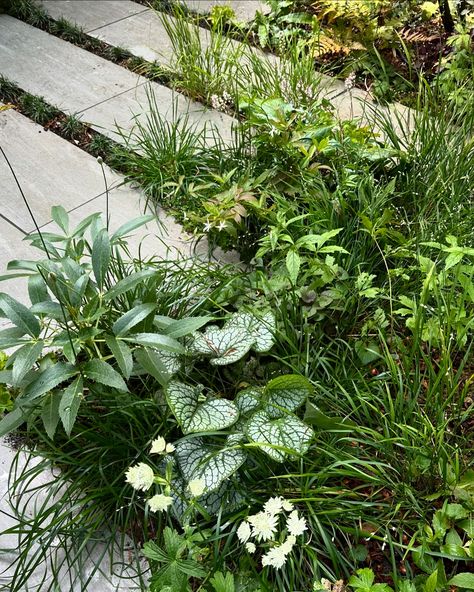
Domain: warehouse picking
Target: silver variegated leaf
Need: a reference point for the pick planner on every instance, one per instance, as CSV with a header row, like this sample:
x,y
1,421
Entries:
x,y
260,328
249,399
286,435
225,346
196,416
286,393
197,461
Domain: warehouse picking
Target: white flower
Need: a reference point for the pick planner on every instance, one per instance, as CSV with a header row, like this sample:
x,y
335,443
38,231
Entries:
x,y
276,557
288,545
287,506
296,525
196,487
244,532
158,446
250,547
160,502
273,506
221,225
207,226
169,449
349,82
140,476
264,525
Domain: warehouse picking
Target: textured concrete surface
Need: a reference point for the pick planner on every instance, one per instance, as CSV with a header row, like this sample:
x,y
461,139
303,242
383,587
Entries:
x,y
142,34
245,10
77,81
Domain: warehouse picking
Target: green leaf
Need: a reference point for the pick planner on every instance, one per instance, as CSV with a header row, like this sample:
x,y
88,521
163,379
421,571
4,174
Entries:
x,y
249,399
60,216
222,583
69,404
37,290
50,413
156,340
293,264
101,257
122,355
286,393
100,371
463,580
225,346
182,327
47,380
25,358
260,328
128,283
194,416
286,435
11,421
132,318
317,418
130,226
152,363
19,315
431,583
11,337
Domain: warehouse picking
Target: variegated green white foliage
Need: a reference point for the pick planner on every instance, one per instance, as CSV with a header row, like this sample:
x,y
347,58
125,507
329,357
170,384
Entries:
x,y
285,435
240,334
194,415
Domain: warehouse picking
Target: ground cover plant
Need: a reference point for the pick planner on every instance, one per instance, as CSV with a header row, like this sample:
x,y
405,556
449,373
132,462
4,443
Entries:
x,y
303,424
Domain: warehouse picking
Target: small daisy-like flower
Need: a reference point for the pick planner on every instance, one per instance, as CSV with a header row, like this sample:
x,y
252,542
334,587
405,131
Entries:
x,y
196,487
296,525
222,225
169,449
273,506
289,543
244,532
276,557
207,226
160,502
158,446
250,547
264,526
287,506
140,477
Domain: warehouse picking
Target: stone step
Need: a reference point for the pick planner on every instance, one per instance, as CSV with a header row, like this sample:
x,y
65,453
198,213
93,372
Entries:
x,y
142,33
102,93
51,171
245,10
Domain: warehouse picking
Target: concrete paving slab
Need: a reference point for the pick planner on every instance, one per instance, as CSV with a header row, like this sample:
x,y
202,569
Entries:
x,y
50,170
13,246
245,10
142,34
77,81
91,14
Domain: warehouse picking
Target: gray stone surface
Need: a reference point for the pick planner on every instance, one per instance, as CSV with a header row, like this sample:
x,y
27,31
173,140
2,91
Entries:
x,y
142,34
245,10
92,14
77,81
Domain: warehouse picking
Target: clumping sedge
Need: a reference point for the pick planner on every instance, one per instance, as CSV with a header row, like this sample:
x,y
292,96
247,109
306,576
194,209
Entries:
x,y
263,526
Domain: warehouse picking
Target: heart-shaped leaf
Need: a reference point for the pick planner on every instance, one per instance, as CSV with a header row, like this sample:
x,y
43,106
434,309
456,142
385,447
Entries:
x,y
286,393
196,416
249,399
260,328
197,461
225,346
285,435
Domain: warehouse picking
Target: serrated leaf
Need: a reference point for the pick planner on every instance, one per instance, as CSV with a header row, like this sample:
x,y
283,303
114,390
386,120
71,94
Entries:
x,y
249,399
101,256
100,371
60,216
225,346
131,318
293,264
162,342
286,393
19,315
11,421
47,380
37,290
286,435
50,413
193,416
150,360
128,283
130,226
69,404
122,355
25,358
